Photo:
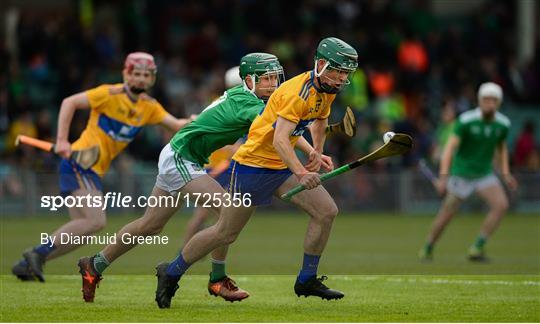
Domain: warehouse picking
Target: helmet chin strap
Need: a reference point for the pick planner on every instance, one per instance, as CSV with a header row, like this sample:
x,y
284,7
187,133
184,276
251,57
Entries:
x,y
254,87
324,87
328,89
252,90
265,99
317,74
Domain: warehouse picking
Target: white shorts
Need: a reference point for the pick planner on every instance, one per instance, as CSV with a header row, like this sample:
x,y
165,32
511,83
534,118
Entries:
x,y
463,187
175,171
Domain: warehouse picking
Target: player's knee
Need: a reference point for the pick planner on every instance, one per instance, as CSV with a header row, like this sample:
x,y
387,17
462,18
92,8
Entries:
x,y
148,228
329,212
450,205
227,237
98,224
156,229
230,238
501,205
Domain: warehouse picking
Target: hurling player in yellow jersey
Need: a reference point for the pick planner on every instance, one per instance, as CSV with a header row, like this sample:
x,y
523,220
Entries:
x,y
267,165
117,113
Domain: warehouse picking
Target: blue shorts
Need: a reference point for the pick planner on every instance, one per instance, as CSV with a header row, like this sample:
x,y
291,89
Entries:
x,y
222,178
260,183
73,177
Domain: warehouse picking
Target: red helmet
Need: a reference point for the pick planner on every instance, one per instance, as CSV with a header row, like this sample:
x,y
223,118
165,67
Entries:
x,y
140,60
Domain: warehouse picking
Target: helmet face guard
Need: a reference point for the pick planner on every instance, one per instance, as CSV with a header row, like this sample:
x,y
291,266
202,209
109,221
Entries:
x,y
258,66
338,56
268,73
325,80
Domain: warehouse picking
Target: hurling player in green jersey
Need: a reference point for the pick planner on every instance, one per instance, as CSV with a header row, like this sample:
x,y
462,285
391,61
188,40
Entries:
x,y
467,166
181,170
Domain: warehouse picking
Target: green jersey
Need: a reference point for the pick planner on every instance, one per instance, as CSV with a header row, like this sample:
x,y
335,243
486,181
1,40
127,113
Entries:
x,y
478,140
223,122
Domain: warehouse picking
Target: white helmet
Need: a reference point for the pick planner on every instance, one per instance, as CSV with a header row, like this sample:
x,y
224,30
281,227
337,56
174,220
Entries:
x,y
490,89
232,77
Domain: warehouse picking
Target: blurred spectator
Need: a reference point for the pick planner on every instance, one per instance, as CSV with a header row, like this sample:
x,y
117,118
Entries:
x,y
411,59
412,56
382,83
390,108
44,126
356,94
10,183
23,125
444,128
525,154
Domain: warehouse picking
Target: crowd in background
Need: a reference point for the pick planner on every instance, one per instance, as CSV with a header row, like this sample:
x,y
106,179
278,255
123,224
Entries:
x,y
417,71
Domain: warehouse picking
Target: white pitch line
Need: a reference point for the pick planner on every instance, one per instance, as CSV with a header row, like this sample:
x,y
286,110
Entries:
x,y
413,280
400,279
445,281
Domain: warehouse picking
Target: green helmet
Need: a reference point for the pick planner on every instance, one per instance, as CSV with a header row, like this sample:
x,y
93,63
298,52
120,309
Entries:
x,y
338,54
259,64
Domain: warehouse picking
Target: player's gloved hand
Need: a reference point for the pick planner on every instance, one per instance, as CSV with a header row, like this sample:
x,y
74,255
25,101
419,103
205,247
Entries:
x,y
309,180
440,185
63,148
327,163
510,181
315,161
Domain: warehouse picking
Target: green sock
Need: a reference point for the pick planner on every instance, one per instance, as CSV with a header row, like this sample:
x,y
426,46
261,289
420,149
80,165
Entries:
x,y
100,262
480,242
428,248
218,270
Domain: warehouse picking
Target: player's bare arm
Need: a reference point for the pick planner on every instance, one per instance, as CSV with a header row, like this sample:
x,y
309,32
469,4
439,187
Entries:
x,y
316,159
285,150
318,143
318,133
446,161
67,110
505,166
175,124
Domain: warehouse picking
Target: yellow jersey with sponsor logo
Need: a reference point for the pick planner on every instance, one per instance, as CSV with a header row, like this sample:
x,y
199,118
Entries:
x,y
114,121
296,100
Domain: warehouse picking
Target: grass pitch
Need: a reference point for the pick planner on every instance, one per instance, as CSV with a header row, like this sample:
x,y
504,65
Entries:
x,y
372,258
369,298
